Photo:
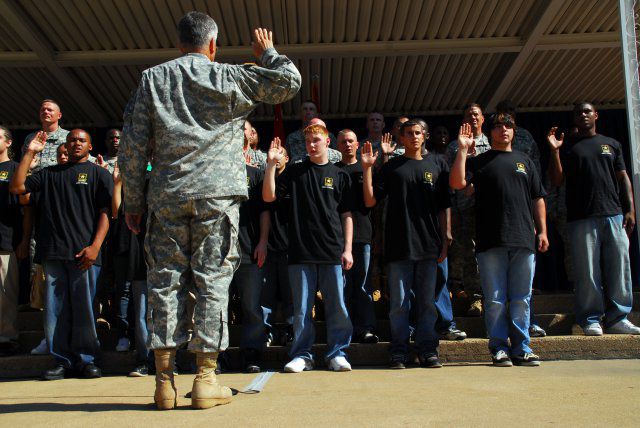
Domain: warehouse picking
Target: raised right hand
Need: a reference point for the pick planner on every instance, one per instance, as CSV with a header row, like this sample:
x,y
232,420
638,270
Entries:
x,y
37,144
367,157
276,152
262,40
385,144
465,138
554,142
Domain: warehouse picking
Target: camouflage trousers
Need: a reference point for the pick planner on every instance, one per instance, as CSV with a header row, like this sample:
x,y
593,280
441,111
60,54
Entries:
x,y
463,267
191,246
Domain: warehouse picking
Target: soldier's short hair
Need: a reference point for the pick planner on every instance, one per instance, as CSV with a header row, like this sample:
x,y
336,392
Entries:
x,y
316,129
51,101
411,123
345,132
196,29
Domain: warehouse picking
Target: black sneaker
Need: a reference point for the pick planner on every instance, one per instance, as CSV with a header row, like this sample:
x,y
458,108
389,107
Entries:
x,y
397,362
140,371
528,359
453,334
251,361
501,359
55,373
430,362
369,337
91,371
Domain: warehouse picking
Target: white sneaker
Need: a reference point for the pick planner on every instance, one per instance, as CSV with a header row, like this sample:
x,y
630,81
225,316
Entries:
x,y
339,364
123,345
623,327
298,365
41,349
592,330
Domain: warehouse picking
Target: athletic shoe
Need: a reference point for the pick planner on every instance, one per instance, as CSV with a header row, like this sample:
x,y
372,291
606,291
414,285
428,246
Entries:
x,y
623,327
397,361
536,331
453,334
140,371
430,362
55,373
527,359
41,349
339,364
298,365
501,359
592,329
123,345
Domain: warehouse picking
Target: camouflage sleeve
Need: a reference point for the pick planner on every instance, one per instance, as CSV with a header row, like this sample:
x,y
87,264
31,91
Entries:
x,y
134,148
277,81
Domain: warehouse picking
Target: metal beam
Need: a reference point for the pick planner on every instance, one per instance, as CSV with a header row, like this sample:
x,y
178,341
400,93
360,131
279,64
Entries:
x,y
539,23
628,37
20,23
324,50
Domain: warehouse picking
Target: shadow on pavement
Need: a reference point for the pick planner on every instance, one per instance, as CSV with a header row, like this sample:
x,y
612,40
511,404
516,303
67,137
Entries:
x,y
79,407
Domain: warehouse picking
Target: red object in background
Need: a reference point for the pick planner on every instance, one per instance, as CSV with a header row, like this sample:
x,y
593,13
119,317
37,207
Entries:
x,y
278,124
315,91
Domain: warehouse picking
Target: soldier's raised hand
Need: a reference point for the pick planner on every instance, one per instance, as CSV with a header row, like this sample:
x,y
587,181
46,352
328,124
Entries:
x,y
554,142
367,157
276,152
101,162
262,40
386,146
39,141
465,139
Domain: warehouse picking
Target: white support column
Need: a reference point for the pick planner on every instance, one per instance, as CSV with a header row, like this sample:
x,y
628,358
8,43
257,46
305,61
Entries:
x,y
632,89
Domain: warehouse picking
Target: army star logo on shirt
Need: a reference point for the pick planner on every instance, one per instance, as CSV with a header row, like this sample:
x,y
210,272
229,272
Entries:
x,y
520,168
4,175
428,177
606,150
82,178
328,183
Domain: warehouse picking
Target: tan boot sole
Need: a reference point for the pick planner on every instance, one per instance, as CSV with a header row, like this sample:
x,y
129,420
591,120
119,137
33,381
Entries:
x,y
167,404
207,403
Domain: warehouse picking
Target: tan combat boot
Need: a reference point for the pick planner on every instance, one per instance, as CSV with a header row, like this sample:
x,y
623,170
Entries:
x,y
207,392
166,393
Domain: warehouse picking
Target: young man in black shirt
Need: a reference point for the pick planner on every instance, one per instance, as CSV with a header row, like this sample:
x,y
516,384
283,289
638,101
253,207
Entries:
x,y
276,269
320,233
600,216
13,245
253,235
510,212
358,292
417,192
74,201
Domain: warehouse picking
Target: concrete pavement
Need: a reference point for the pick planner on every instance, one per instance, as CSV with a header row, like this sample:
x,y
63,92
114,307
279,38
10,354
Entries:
x,y
566,393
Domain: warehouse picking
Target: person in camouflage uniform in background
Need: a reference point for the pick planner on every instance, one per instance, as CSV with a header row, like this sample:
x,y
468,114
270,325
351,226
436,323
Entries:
x,y
187,118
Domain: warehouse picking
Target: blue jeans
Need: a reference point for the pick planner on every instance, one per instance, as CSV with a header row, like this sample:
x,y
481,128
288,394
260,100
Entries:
x,y
248,280
122,294
358,292
69,322
306,280
602,271
139,297
506,275
419,277
276,270
445,320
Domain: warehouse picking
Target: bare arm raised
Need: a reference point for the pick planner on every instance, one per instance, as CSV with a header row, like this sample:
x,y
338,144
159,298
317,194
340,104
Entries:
x,y
554,170
274,155
457,177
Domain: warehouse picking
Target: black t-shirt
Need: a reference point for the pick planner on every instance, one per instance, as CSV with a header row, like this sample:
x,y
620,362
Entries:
x,y
70,198
416,191
590,165
10,217
361,214
318,195
250,210
505,183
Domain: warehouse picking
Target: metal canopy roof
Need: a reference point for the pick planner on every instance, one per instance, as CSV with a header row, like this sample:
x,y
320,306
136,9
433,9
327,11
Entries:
x,y
395,56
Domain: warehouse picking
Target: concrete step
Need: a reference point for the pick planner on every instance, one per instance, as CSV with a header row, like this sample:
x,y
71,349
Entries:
x,y
467,351
554,324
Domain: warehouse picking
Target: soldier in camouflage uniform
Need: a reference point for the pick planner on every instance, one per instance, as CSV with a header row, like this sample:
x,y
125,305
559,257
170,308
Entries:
x,y
186,118
253,157
295,145
463,269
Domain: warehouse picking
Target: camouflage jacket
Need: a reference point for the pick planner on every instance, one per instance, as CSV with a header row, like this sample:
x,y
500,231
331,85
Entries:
x,y
48,156
187,118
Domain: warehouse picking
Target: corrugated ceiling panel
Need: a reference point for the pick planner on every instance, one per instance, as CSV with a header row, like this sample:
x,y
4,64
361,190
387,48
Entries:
x,y
582,16
9,41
